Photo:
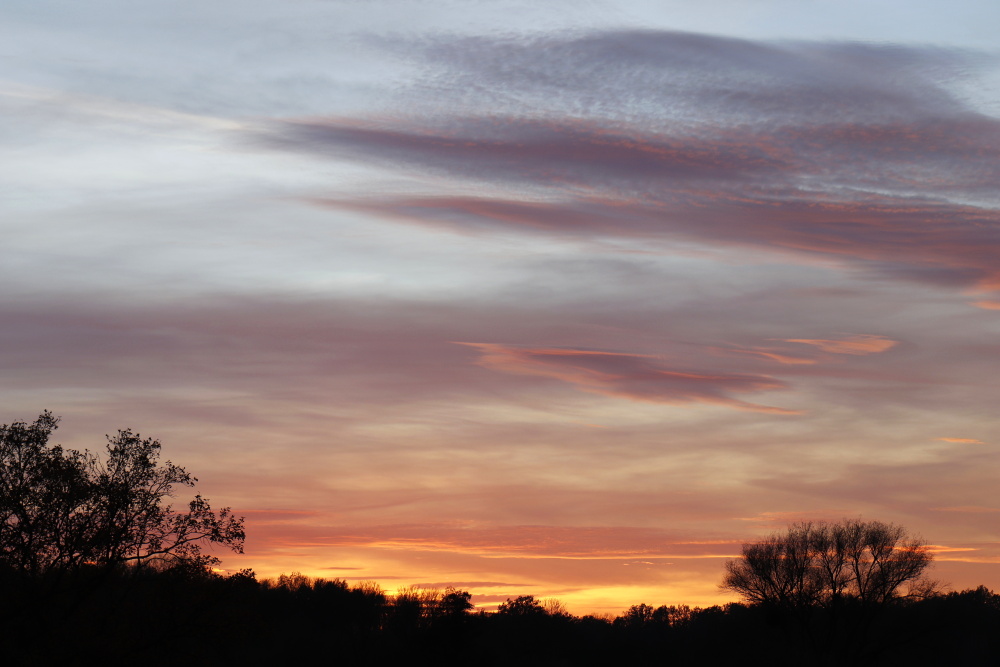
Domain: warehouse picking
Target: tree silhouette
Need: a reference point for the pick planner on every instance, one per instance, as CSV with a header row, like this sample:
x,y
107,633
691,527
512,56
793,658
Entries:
x,y
827,564
829,586
524,606
455,603
61,509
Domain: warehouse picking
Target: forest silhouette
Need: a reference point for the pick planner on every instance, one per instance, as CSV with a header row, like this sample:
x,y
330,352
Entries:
x,y
97,569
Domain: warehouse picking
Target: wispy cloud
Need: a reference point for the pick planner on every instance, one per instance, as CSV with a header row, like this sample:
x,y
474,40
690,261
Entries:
x,y
859,345
471,584
775,356
855,153
627,375
521,541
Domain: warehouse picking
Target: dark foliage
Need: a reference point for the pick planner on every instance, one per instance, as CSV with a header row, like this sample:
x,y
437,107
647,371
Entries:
x,y
62,510
828,564
828,586
151,616
95,570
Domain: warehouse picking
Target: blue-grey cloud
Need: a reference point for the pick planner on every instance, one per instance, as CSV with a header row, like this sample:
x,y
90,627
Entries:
x,y
669,77
855,152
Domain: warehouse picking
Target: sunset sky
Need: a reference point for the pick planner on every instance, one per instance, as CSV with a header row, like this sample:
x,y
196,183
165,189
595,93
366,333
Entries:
x,y
565,299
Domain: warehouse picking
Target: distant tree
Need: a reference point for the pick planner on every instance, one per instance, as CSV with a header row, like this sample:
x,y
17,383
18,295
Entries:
x,y
636,616
293,582
674,615
554,607
455,603
61,509
828,563
522,606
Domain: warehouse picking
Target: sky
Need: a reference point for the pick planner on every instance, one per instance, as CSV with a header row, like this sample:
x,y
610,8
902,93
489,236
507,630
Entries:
x,y
563,299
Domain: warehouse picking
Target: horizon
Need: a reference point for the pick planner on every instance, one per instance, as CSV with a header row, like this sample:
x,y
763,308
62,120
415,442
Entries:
x,y
566,301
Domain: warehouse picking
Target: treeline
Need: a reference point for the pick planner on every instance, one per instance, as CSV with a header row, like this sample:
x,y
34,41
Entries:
x,y
98,568
180,615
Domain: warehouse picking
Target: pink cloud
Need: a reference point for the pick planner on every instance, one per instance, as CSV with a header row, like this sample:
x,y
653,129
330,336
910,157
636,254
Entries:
x,y
863,158
782,358
858,345
771,355
853,153
263,517
636,377
912,238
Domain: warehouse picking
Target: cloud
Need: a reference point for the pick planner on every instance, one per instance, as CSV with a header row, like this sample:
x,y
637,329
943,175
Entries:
x,y
646,220
973,509
961,478
520,541
657,74
517,150
941,548
633,376
859,345
855,153
890,171
471,584
781,519
970,441
775,356
262,517
912,237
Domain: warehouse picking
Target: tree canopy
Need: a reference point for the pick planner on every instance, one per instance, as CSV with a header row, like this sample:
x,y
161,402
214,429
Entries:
x,y
826,563
61,508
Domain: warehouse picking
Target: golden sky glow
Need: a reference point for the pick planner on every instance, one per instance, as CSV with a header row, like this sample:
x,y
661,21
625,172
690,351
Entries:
x,y
567,301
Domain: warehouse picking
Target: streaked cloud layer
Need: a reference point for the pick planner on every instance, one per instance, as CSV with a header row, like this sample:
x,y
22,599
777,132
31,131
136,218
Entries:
x,y
853,152
630,376
531,302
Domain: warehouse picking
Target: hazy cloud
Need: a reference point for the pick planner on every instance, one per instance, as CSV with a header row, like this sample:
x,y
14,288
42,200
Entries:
x,y
626,375
525,541
973,509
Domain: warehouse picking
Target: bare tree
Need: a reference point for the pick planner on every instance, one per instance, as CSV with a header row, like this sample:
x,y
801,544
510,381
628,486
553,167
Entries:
x,y
826,563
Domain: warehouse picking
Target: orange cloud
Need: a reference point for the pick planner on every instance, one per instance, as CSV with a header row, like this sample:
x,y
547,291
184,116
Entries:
x,y
943,549
775,356
768,519
856,345
261,517
987,304
522,541
970,441
627,375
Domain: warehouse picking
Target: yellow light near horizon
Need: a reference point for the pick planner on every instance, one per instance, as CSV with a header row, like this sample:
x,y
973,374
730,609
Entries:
x,y
614,600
